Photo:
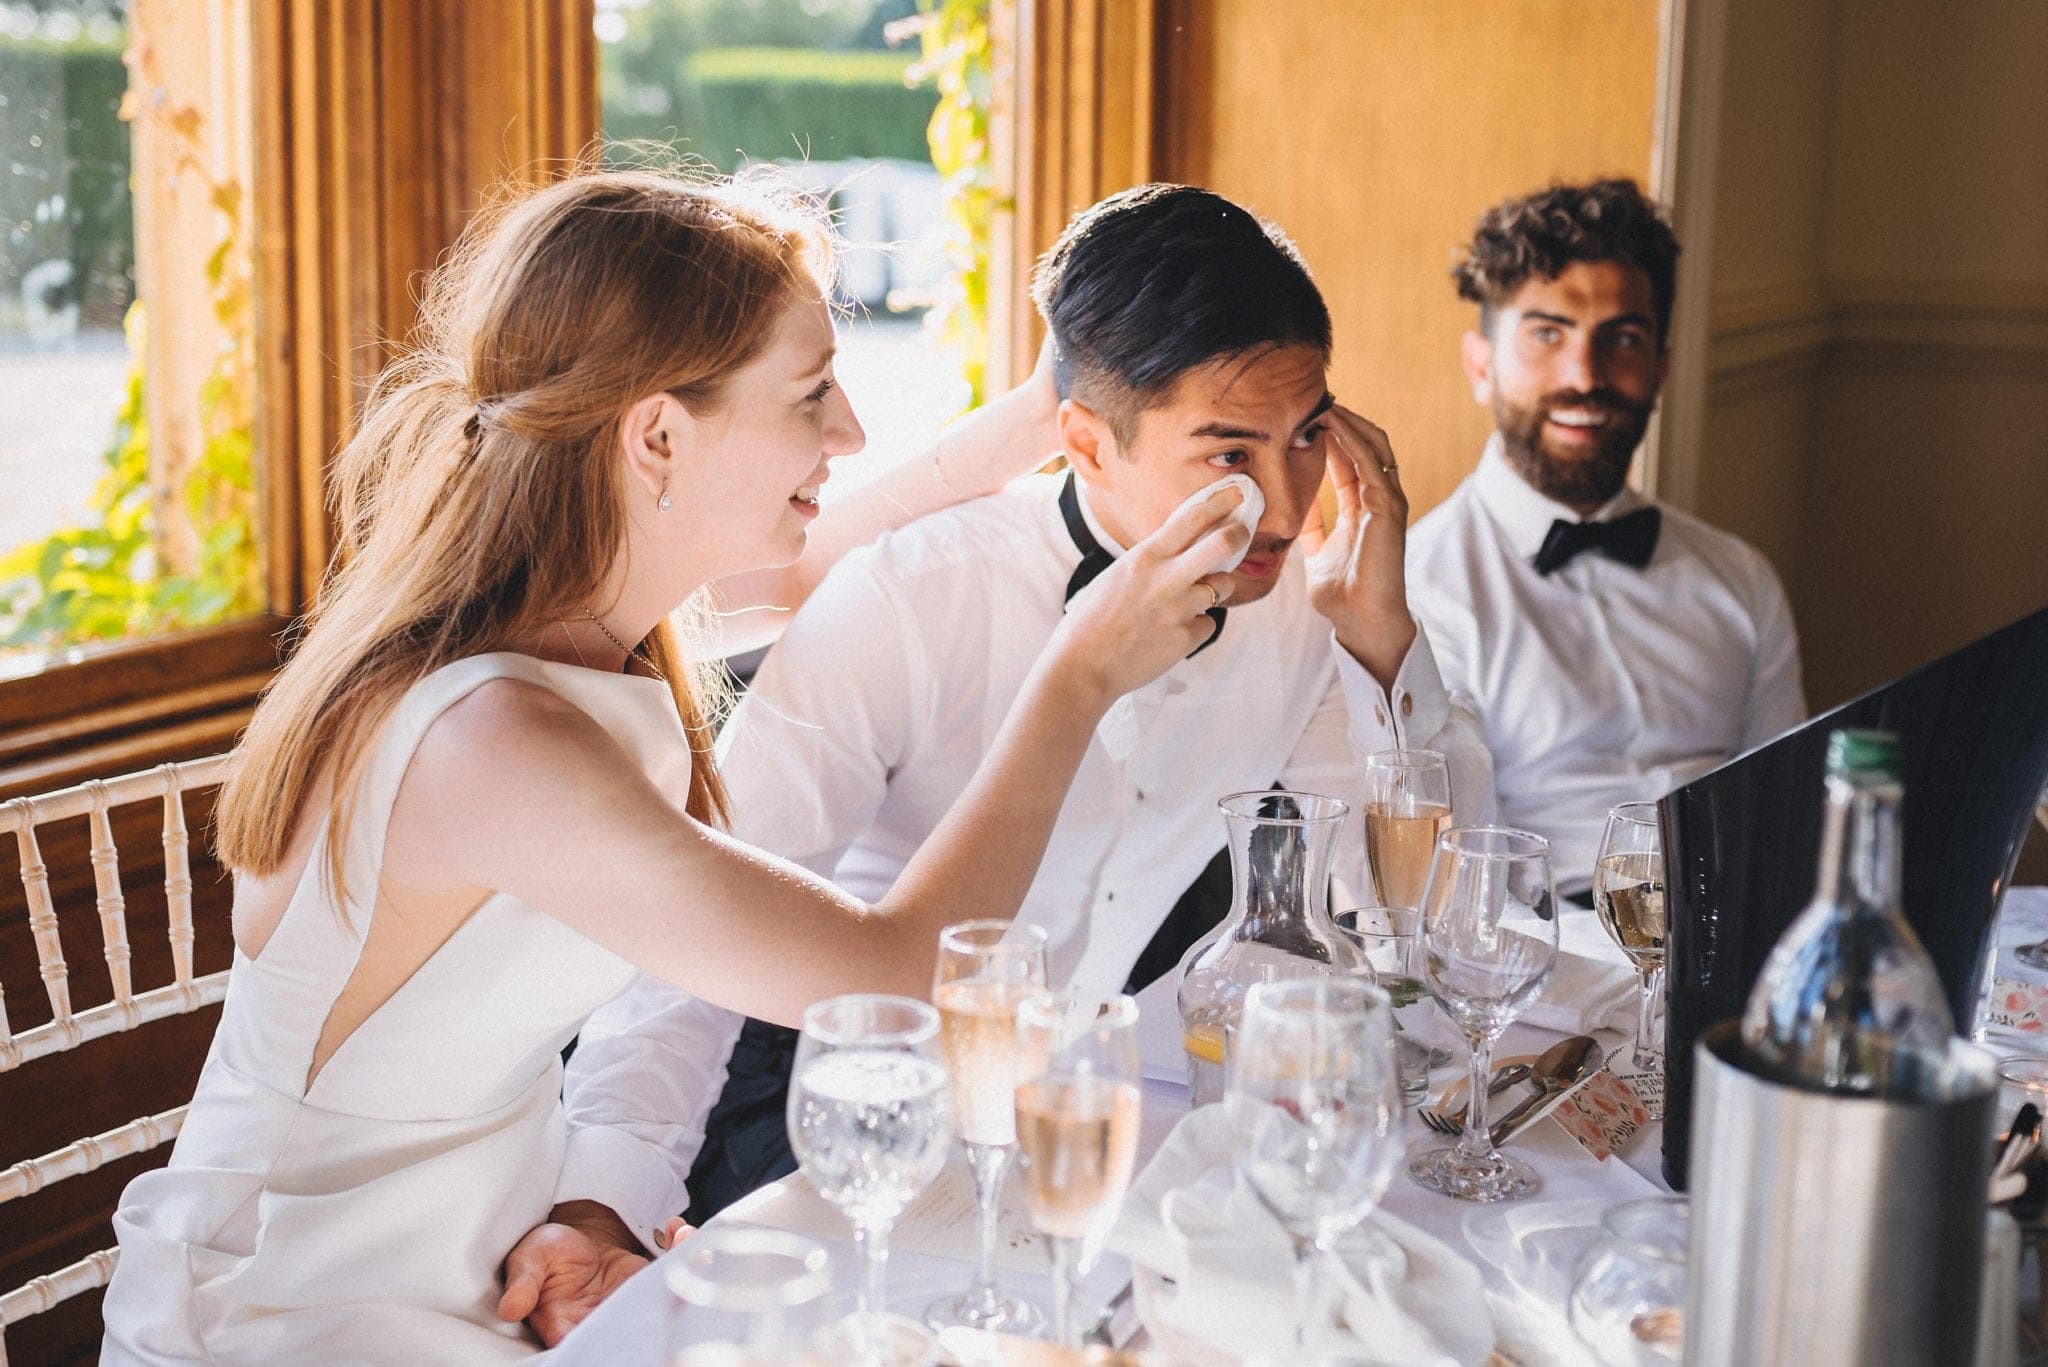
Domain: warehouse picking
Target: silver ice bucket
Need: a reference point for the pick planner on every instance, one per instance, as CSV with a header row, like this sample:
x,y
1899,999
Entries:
x,y
1834,1231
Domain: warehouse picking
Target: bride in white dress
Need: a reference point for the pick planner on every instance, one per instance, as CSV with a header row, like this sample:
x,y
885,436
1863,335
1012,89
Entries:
x,y
468,809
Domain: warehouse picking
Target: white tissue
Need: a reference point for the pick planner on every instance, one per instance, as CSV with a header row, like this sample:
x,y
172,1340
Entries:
x,y
1248,513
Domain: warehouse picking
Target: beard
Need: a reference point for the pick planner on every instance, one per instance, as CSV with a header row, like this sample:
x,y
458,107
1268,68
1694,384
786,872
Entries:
x,y
1575,479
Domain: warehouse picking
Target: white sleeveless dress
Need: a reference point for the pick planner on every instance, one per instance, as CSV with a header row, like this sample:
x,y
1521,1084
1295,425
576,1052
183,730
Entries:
x,y
364,1220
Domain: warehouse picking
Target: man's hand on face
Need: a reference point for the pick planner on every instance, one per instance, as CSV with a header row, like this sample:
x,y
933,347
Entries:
x,y
563,1269
1355,572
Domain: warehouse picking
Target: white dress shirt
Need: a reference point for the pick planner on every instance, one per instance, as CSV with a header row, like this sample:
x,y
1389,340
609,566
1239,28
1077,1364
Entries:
x,y
1599,683
869,718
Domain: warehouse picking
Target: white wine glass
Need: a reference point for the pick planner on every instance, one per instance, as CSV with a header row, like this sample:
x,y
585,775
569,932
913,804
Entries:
x,y
1077,1127
1489,942
870,1117
1628,897
1407,806
985,970
1316,1100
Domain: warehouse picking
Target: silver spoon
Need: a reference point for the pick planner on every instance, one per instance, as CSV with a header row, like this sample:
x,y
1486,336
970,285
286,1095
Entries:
x,y
1564,1063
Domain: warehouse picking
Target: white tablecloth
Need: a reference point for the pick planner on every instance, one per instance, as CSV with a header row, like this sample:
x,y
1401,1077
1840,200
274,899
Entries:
x,y
1524,1249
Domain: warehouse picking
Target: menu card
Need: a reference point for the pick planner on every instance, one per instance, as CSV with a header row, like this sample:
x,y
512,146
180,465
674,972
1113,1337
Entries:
x,y
1603,1114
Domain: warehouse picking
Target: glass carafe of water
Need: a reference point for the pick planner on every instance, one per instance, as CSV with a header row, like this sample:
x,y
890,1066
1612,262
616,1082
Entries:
x,y
1279,923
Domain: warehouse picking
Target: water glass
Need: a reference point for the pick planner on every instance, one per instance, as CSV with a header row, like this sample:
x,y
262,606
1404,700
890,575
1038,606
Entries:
x,y
1316,1102
1628,897
1489,941
2023,1078
870,1117
1628,1293
737,1293
1077,1124
1407,806
1391,940
985,970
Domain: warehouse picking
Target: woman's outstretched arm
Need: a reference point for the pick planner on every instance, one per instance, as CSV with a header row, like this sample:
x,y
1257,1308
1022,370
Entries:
x,y
516,790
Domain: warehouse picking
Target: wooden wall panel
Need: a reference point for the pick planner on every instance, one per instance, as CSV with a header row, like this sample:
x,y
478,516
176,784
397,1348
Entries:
x,y
1375,132
1874,341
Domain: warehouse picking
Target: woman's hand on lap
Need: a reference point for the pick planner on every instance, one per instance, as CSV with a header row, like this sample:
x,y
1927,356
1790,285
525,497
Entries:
x,y
562,1270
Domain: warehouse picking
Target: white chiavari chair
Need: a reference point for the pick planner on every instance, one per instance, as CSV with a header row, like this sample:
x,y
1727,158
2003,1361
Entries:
x,y
69,1028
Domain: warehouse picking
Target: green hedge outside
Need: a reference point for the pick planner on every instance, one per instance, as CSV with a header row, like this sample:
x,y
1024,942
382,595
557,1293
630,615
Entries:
x,y
86,160
730,105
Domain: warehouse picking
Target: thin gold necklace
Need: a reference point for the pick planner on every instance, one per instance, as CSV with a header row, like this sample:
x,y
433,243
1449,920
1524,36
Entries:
x,y
631,652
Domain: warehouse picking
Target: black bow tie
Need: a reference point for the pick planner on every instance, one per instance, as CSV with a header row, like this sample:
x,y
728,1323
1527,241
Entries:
x,y
1632,540
1095,559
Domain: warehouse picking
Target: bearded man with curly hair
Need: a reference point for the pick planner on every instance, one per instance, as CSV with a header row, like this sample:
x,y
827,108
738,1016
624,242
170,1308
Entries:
x,y
1616,647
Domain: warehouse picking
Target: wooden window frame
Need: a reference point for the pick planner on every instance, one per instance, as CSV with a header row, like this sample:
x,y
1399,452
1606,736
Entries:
x,y
1088,98
381,125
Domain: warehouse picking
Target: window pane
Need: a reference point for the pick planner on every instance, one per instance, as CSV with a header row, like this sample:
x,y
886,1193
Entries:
x,y
827,89
127,364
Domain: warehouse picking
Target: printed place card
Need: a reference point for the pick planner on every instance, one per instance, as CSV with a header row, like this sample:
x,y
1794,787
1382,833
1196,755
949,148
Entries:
x,y
1647,1084
1603,1115
2020,1006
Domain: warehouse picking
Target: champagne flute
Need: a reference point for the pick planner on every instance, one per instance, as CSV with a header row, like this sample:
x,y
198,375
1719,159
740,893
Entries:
x,y
1628,896
1489,941
1077,1124
985,970
1316,1100
1407,806
870,1120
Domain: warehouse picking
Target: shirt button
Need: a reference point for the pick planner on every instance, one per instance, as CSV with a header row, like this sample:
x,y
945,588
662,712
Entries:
x,y
1407,706
1109,897
1139,795
1379,714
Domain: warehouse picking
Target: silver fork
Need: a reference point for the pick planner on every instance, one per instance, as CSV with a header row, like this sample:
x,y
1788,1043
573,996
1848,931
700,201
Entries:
x,y
1444,1122
1099,1333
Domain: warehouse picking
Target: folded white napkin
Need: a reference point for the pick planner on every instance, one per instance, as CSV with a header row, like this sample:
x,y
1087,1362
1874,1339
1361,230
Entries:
x,y
1391,1293
1584,995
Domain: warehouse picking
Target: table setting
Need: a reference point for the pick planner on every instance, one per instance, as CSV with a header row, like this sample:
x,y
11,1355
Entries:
x,y
1423,1134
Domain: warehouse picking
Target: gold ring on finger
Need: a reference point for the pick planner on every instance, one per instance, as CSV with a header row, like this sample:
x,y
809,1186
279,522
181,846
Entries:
x,y
1215,596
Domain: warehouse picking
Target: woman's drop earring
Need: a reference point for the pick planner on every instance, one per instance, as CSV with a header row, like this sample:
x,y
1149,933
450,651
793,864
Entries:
x,y
664,503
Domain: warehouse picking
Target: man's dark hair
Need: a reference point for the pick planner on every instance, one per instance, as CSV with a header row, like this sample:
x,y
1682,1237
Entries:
x,y
1540,234
1156,280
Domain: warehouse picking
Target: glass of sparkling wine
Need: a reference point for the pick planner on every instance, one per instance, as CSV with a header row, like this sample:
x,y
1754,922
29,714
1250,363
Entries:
x,y
985,969
1315,1099
1628,896
870,1117
1407,806
1489,941
1077,1124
